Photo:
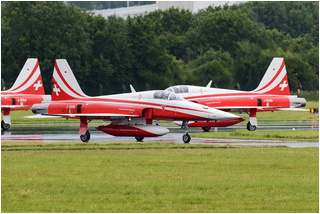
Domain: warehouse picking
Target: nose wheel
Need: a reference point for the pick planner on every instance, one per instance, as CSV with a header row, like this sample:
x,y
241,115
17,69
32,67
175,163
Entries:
x,y
85,137
186,138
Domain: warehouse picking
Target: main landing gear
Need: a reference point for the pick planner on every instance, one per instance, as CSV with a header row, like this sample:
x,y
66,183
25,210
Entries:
x,y
85,137
139,138
251,127
84,133
4,126
206,129
252,124
186,137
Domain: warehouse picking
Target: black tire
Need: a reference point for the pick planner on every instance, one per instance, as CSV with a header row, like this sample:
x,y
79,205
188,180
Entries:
x,y
139,138
4,126
186,138
251,127
85,137
206,129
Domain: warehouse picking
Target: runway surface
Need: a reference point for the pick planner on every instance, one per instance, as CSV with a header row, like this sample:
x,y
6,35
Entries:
x,y
175,135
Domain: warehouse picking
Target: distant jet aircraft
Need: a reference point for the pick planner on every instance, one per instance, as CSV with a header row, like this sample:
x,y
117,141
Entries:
x,y
131,113
26,91
272,94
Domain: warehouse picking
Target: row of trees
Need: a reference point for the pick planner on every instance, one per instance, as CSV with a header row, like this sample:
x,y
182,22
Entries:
x,y
232,45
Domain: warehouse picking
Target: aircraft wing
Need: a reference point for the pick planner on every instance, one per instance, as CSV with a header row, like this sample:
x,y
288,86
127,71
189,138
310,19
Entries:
x,y
292,109
15,106
92,115
235,108
38,116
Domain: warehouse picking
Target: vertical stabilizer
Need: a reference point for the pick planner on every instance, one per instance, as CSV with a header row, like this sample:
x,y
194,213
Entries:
x,y
29,80
64,84
275,80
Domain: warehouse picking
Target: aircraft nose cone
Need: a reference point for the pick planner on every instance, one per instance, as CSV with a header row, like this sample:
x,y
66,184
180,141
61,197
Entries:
x,y
221,115
228,116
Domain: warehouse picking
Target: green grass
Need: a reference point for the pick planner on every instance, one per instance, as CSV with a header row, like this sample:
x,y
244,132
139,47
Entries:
x,y
262,135
127,179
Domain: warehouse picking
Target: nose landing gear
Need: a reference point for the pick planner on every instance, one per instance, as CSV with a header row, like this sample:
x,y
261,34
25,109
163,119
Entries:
x,y
186,137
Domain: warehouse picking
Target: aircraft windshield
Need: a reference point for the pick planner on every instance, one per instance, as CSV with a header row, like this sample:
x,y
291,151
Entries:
x,y
166,95
178,89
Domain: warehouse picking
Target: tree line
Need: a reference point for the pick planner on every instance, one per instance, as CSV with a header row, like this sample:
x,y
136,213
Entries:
x,y
231,45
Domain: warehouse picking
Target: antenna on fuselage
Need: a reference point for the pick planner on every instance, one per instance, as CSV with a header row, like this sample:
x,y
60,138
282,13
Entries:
x,y
209,84
132,89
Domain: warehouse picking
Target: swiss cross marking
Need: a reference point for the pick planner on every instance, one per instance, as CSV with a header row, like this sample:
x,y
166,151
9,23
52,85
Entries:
x,y
56,89
37,85
283,85
163,107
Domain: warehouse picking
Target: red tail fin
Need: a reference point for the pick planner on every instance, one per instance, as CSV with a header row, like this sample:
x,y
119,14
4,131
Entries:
x,y
275,80
64,83
29,80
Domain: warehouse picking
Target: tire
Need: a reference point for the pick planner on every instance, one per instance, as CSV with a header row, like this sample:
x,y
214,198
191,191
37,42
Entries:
x,y
4,126
85,137
251,127
139,138
186,138
206,129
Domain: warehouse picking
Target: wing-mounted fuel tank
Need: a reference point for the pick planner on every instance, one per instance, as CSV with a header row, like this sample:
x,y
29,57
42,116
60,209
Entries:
x,y
134,130
135,127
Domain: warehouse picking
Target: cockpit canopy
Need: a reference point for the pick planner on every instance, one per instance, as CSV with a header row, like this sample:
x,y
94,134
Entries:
x,y
166,95
178,89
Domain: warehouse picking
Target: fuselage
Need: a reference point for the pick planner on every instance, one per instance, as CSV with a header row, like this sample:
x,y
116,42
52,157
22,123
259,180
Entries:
x,y
15,101
156,105
235,100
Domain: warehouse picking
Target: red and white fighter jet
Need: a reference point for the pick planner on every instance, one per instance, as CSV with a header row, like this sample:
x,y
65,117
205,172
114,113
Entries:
x,y
26,91
131,113
272,94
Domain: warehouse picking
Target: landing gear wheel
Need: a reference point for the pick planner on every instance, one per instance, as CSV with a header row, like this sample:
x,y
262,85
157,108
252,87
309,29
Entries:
x,y
139,139
186,138
206,129
251,127
85,137
4,126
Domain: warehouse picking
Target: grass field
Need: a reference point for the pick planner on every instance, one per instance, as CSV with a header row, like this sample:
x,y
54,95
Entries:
x,y
262,135
161,177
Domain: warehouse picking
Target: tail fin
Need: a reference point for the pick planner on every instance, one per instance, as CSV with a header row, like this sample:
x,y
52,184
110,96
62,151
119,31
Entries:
x,y
29,80
64,83
275,80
